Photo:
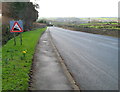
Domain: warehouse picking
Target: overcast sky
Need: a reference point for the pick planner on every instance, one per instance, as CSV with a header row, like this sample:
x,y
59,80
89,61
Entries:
x,y
78,8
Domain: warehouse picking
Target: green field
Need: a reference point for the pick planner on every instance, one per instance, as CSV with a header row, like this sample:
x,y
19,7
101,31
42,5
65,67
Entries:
x,y
16,64
105,25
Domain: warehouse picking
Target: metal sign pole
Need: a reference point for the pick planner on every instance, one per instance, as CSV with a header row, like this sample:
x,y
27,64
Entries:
x,y
14,39
21,38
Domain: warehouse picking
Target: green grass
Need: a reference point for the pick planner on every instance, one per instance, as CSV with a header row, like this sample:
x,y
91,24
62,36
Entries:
x,y
98,23
0,69
101,25
107,27
16,67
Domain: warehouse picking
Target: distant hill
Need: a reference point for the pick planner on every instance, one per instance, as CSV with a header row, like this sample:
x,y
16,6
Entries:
x,y
76,20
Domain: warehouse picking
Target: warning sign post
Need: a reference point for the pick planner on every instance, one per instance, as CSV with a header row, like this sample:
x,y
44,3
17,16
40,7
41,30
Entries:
x,y
16,27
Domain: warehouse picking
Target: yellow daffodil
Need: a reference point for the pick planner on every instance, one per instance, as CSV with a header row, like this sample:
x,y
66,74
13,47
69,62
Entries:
x,y
24,52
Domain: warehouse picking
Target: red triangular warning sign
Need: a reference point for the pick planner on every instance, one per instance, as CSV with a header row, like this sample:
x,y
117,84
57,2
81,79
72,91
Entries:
x,y
16,28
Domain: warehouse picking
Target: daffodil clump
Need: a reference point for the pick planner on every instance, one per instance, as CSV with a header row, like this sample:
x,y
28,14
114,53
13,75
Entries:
x,y
24,53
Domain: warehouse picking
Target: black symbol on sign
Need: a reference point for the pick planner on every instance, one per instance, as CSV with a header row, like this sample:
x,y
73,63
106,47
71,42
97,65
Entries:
x,y
16,29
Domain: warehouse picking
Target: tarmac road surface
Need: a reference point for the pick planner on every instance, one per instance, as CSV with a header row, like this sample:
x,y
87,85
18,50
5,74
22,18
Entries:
x,y
92,59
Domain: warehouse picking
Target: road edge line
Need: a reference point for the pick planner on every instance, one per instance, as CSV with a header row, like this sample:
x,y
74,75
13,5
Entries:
x,y
64,67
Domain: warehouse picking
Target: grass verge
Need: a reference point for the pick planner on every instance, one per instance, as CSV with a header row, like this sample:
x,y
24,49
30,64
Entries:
x,y
0,69
16,64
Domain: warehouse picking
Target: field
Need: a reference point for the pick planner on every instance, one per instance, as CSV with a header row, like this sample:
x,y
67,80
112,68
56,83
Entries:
x,y
17,60
102,25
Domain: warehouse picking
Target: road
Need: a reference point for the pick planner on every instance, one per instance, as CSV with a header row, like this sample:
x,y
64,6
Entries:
x,y
92,59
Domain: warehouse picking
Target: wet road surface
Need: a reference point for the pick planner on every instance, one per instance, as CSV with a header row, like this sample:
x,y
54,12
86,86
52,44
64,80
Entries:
x,y
92,59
